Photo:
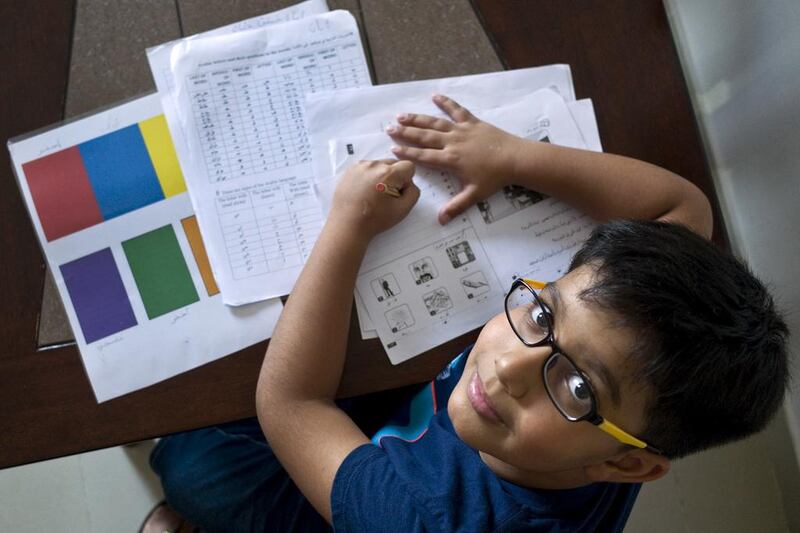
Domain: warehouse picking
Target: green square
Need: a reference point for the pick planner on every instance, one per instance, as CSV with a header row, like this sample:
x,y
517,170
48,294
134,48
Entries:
x,y
160,271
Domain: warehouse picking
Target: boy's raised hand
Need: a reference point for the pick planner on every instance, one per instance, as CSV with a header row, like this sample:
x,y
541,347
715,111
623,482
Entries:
x,y
481,155
360,209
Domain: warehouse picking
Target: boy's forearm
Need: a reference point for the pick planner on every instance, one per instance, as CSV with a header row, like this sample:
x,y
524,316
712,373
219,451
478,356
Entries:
x,y
306,353
303,364
608,186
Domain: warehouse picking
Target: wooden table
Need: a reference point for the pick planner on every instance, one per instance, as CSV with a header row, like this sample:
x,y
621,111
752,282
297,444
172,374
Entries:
x,y
622,56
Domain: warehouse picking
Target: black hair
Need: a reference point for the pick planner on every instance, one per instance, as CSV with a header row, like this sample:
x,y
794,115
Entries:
x,y
711,346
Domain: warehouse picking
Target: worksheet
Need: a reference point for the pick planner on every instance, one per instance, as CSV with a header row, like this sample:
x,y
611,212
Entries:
x,y
159,56
108,200
508,229
422,284
248,157
526,233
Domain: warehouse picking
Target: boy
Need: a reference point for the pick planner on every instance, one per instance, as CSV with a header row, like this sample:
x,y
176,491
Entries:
x,y
653,346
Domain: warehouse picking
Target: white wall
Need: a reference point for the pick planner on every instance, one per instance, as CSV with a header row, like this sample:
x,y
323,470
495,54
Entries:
x,y
742,63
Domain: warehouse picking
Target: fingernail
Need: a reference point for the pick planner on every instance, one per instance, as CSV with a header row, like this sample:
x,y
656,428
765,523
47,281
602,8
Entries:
x,y
391,128
396,149
402,116
438,97
444,218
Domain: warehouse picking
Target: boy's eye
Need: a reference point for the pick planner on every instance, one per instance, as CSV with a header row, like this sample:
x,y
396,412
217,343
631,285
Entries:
x,y
541,318
578,387
575,396
531,321
538,318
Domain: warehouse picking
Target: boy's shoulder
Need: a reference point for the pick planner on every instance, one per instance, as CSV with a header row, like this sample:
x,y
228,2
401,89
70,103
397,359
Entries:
x,y
411,419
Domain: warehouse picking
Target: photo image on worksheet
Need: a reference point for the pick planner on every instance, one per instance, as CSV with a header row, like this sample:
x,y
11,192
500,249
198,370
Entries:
x,y
437,301
399,318
423,270
475,284
385,287
460,254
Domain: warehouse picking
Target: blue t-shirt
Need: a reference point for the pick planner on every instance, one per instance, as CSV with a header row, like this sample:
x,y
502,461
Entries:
x,y
417,475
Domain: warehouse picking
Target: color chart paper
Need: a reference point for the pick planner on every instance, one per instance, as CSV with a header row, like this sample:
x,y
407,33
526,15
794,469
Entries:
x,y
108,200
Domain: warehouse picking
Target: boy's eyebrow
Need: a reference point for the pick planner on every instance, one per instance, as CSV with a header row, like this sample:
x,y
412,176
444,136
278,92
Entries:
x,y
553,294
594,363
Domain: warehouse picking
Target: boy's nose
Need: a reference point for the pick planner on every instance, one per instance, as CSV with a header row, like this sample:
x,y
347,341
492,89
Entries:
x,y
521,370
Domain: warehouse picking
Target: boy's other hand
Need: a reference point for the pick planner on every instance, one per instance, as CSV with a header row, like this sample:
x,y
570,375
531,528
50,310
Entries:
x,y
481,155
361,209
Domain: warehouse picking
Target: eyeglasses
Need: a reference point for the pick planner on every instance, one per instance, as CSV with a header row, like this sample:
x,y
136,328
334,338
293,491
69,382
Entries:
x,y
565,383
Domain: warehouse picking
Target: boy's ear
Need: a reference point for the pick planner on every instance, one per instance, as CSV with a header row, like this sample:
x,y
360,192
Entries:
x,y
635,466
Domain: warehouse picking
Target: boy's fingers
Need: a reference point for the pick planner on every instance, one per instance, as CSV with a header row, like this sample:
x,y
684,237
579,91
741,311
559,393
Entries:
x,y
424,156
411,193
375,165
421,137
458,204
452,108
401,173
425,121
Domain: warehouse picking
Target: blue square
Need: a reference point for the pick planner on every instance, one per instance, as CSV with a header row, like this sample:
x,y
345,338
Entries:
x,y
120,171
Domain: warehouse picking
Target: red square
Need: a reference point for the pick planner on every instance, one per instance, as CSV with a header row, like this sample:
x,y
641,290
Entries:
x,y
62,194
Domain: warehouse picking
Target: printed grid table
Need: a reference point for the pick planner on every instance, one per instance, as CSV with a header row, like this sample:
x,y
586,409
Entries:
x,y
269,228
266,99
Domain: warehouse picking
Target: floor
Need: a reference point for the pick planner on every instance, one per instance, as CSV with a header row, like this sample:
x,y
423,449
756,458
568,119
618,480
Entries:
x,y
102,491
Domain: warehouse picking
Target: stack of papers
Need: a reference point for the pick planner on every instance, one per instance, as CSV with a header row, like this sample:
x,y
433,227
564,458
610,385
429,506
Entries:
x,y
236,104
422,284
155,214
272,117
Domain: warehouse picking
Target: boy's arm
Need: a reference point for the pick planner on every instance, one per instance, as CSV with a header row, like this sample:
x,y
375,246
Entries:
x,y
605,186
303,365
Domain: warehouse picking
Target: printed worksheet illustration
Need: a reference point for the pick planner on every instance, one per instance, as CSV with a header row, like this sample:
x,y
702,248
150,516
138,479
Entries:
x,y
512,198
423,270
419,297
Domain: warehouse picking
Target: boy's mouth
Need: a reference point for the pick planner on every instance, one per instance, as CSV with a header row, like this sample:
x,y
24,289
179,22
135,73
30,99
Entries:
x,y
479,400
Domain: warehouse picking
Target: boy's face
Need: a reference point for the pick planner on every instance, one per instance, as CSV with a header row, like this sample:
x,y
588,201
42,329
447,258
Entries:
x,y
529,437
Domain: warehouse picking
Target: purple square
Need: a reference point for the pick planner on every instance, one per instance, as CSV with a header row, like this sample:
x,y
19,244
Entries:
x,y
98,295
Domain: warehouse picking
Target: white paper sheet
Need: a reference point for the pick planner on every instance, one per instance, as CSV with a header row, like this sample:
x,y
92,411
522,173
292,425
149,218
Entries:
x,y
123,347
422,284
159,56
527,234
248,164
365,324
331,115
583,113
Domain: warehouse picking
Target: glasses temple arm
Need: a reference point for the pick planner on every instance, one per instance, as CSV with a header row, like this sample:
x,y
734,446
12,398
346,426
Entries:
x,y
534,284
621,435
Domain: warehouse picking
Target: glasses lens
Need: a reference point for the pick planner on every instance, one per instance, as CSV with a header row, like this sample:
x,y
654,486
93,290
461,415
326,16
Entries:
x,y
567,387
528,318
